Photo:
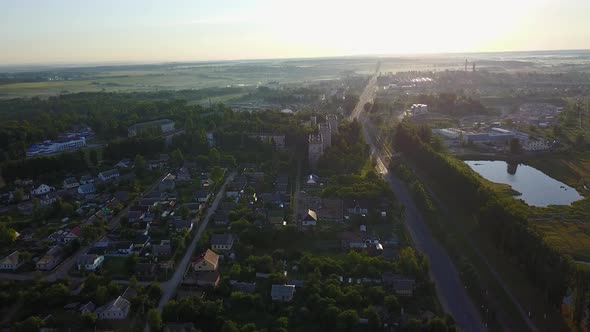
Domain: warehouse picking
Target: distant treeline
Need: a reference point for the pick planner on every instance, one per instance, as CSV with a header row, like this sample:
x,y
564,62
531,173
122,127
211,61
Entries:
x,y
502,218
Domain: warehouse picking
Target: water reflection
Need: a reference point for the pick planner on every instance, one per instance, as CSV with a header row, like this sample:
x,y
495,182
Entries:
x,y
537,188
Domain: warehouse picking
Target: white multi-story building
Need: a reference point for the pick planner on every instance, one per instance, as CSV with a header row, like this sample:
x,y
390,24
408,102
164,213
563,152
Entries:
x,y
49,147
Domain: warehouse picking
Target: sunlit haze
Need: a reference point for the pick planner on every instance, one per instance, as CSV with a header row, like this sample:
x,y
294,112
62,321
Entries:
x,y
72,31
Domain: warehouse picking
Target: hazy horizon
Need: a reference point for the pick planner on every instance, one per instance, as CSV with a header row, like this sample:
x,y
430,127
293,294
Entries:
x,y
78,33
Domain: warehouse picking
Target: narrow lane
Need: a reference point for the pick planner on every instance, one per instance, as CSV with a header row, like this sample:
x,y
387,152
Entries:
x,y
169,287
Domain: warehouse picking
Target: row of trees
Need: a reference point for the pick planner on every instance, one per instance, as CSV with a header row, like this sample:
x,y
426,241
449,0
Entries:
x,y
503,218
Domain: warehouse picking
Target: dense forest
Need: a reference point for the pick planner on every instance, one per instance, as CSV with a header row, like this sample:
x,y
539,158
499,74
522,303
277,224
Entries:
x,y
503,219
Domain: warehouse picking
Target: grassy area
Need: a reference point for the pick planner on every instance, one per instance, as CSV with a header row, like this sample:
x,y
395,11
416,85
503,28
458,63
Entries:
x,y
568,237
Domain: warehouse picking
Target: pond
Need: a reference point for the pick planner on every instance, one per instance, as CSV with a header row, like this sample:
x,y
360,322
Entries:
x,y
536,187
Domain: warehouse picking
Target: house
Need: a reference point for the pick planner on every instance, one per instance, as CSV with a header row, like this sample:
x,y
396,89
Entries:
x,y
310,219
402,285
11,262
202,196
168,183
244,287
163,249
311,180
327,209
352,240
48,199
145,270
120,248
87,308
135,216
125,164
207,279
86,189
283,293
116,309
70,183
42,190
221,218
208,261
108,175
50,259
194,208
179,225
222,242
57,236
358,208
276,217
183,174
86,179
89,262
72,235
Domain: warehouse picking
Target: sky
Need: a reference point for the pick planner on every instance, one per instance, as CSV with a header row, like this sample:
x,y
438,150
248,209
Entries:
x,y
103,31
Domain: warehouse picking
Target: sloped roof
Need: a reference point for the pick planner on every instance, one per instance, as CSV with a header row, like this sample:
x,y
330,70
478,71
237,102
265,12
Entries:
x,y
210,256
12,259
119,304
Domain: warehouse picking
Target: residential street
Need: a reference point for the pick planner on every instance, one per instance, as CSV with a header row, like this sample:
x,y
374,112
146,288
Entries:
x,y
169,287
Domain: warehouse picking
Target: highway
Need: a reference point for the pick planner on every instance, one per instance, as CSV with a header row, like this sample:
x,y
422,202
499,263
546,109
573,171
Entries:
x,y
449,288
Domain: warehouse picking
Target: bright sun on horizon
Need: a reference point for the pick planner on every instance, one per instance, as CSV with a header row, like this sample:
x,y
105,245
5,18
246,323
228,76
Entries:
x,y
68,31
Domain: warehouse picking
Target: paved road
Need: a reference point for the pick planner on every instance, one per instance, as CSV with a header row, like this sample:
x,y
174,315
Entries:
x,y
449,288
169,287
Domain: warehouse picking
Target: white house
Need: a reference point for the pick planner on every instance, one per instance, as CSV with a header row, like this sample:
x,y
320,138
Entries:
x,y
48,199
42,190
108,175
222,241
116,309
70,183
50,259
74,234
86,189
90,262
11,262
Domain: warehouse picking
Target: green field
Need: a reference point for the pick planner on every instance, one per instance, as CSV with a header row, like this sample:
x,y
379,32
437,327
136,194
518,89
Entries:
x,y
188,76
